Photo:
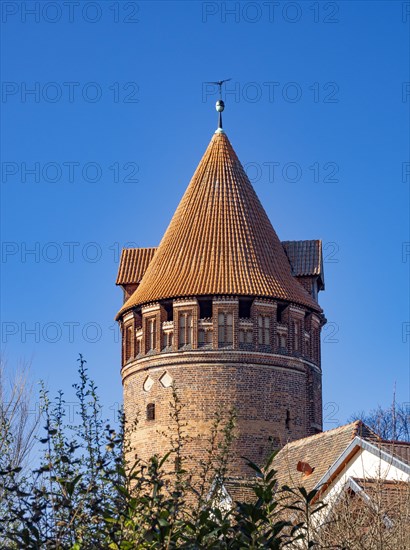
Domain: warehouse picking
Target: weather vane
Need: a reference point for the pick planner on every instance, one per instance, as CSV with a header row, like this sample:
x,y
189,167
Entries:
x,y
220,105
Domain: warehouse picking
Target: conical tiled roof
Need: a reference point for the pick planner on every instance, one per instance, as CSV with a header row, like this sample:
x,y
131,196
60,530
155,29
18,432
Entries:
x,y
220,240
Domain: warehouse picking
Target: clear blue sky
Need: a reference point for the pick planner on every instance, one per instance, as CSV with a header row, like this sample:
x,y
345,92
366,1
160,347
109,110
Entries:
x,y
119,118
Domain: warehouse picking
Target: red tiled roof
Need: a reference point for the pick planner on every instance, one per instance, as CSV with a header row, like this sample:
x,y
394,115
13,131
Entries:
x,y
320,451
389,496
398,449
219,241
133,264
134,261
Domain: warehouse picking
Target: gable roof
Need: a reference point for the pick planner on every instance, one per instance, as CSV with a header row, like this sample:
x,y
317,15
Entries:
x,y
320,451
220,241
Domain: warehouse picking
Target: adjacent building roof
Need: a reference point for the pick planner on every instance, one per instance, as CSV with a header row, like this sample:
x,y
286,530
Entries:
x,y
398,449
320,451
219,241
388,495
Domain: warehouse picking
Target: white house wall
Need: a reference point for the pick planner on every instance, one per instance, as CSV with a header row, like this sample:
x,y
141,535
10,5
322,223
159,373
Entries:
x,y
365,465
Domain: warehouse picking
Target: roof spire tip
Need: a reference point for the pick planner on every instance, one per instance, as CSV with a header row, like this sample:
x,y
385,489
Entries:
x,y
220,106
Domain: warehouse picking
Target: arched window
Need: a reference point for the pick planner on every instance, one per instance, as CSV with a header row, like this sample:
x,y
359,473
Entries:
x,y
151,411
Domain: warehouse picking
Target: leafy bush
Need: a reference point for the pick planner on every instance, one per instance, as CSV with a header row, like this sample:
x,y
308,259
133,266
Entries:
x,y
85,493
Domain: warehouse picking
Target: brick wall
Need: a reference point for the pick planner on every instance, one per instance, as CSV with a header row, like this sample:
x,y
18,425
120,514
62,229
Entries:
x,y
276,392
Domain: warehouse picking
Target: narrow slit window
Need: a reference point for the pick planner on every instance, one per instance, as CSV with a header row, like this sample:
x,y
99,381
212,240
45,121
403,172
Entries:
x,y
260,329
189,329
229,328
225,328
287,420
264,330
128,343
221,328
151,411
152,335
182,325
296,334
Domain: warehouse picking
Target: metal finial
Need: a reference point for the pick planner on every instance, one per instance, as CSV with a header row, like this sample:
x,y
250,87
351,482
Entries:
x,y
220,105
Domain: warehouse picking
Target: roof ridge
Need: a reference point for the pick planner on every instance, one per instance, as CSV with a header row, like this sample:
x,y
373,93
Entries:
x,y
332,431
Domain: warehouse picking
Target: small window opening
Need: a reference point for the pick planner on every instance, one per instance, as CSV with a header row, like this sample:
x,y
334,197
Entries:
x,y
287,421
205,309
245,308
151,411
168,306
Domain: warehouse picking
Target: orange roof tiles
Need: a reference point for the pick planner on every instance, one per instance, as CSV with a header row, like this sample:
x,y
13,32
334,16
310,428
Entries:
x,y
220,240
133,264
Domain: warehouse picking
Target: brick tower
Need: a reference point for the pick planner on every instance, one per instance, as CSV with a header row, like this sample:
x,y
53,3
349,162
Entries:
x,y
227,312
